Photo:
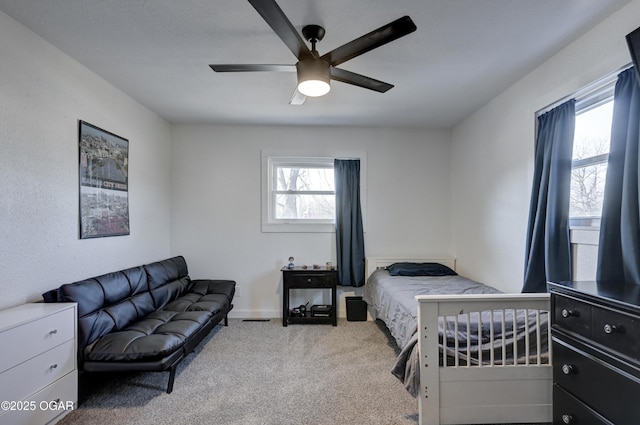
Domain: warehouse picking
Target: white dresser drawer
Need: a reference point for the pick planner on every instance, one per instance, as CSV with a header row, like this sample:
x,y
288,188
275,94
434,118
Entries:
x,y
46,405
30,339
38,363
25,379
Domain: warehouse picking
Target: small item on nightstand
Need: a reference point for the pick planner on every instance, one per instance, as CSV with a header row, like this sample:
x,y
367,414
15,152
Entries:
x,y
290,265
304,267
316,266
299,311
321,310
329,266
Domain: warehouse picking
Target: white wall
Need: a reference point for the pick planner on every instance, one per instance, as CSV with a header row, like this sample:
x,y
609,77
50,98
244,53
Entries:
x,y
43,94
216,200
492,152
195,190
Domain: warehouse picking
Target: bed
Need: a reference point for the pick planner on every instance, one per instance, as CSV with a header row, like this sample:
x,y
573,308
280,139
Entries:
x,y
470,354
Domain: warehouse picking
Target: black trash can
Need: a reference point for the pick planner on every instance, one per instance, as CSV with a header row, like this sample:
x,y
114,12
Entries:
x,y
356,309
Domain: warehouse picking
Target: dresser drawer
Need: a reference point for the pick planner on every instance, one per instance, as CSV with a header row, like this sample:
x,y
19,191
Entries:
x,y
27,378
608,390
35,337
569,410
313,280
617,331
572,315
51,402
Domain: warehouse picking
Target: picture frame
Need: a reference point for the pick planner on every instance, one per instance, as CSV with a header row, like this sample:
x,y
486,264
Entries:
x,y
103,182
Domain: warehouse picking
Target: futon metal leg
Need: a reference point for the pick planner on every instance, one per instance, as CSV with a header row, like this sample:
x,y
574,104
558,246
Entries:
x,y
172,377
226,320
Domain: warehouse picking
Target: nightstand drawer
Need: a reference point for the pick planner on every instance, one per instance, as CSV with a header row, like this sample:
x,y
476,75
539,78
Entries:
x,y
572,315
609,391
617,331
313,280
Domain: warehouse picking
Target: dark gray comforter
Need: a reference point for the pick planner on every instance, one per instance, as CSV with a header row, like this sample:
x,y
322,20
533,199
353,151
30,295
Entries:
x,y
393,298
480,345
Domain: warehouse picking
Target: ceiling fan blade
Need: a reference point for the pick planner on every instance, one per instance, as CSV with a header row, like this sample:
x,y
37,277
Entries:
x,y
253,68
278,21
359,80
376,38
297,98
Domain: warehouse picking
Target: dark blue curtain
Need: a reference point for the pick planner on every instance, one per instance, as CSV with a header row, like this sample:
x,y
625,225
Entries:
x,y
619,247
349,231
548,252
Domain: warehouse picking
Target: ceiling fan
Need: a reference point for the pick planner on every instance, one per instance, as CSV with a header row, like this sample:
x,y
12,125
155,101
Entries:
x,y
315,71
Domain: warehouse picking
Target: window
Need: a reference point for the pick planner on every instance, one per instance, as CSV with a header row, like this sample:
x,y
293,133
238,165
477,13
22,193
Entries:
x,y
300,194
302,190
590,155
298,190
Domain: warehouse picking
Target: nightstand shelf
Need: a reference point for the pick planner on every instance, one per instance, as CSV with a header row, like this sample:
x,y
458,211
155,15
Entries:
x,y
299,278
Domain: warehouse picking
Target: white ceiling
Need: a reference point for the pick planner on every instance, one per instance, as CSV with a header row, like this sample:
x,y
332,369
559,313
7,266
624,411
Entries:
x,y
463,54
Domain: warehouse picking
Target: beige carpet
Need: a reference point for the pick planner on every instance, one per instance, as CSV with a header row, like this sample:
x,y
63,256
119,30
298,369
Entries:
x,y
262,373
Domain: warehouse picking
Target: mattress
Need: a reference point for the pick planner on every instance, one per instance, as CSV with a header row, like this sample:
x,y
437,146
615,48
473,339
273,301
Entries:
x,y
393,298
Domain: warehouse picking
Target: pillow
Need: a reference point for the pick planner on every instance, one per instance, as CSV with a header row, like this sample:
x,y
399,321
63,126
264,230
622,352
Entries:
x,y
420,269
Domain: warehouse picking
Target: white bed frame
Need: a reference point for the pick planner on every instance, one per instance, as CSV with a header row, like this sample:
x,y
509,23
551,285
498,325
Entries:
x,y
488,394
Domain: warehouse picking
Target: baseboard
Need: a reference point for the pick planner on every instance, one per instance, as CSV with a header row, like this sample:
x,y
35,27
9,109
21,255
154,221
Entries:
x,y
254,314
267,314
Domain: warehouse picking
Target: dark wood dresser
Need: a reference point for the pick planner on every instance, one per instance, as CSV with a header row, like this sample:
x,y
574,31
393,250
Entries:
x,y
596,353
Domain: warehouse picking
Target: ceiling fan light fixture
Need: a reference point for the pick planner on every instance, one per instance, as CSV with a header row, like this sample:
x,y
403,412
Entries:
x,y
313,77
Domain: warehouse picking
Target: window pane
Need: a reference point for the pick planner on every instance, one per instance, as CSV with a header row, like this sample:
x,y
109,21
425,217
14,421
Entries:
x,y
587,190
593,131
307,178
592,139
314,207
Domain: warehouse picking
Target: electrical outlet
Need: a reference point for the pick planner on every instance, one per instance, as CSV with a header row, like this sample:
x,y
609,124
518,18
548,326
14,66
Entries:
x,y
238,292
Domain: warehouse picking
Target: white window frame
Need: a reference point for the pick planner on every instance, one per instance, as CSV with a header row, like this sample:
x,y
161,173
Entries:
x,y
271,159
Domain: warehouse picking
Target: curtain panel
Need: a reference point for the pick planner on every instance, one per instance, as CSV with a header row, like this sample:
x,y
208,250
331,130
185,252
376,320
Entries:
x,y
619,245
349,229
548,250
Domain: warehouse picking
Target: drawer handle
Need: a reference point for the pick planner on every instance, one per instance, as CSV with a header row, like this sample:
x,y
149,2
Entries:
x,y
53,332
309,280
568,369
567,419
569,313
611,329
54,366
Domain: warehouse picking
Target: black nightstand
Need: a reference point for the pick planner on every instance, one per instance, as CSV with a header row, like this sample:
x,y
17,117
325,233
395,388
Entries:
x,y
298,277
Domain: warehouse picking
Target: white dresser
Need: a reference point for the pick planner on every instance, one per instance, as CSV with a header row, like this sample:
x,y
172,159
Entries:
x,y
38,364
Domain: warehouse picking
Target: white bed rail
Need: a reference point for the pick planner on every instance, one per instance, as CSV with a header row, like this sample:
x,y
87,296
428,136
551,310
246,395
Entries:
x,y
467,388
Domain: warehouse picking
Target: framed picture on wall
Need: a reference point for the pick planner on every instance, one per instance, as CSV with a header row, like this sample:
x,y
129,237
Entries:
x,y
104,183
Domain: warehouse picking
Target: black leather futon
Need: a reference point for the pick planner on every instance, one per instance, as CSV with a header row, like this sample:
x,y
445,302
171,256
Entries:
x,y
145,318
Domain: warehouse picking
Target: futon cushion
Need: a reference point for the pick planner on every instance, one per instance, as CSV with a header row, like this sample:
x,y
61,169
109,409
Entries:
x,y
205,295
167,280
156,336
109,302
